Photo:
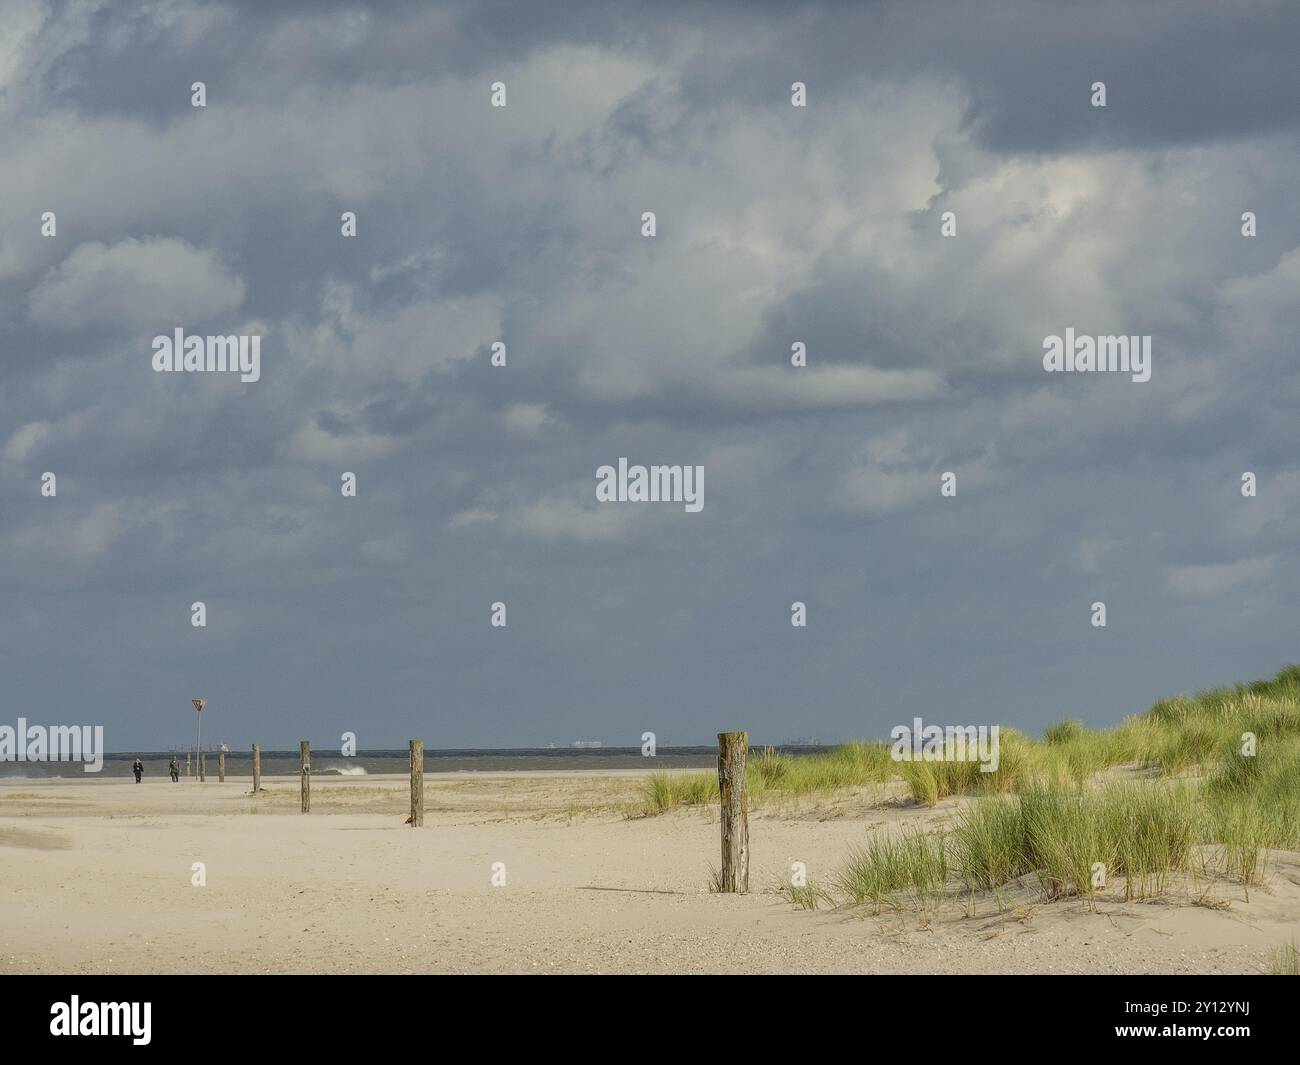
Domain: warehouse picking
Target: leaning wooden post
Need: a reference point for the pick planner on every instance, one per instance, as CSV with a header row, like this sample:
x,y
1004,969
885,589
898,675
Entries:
x,y
733,750
257,768
417,783
221,767
304,749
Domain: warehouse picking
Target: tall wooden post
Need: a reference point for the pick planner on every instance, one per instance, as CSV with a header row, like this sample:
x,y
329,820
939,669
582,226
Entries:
x,y
304,749
221,767
203,767
417,783
187,764
257,768
733,751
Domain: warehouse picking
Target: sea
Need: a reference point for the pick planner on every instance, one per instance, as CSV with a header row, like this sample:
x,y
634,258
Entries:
x,y
366,763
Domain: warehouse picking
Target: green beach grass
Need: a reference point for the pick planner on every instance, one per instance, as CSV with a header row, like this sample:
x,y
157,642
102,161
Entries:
x,y
1173,793
1285,960
772,775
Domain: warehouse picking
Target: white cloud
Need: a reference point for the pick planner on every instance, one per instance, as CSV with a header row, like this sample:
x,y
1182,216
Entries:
x,y
23,440
896,471
527,419
473,516
1090,553
391,549
1211,580
586,522
156,284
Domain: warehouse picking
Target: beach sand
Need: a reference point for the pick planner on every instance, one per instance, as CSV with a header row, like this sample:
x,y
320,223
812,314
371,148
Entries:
x,y
95,877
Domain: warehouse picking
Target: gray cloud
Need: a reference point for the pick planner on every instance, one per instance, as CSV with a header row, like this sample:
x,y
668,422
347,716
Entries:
x,y
522,225
135,284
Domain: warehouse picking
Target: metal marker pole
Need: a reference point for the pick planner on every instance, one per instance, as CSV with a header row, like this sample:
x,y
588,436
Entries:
x,y
199,704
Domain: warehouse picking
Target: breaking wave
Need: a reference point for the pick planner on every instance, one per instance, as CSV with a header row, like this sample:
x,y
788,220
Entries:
x,y
343,769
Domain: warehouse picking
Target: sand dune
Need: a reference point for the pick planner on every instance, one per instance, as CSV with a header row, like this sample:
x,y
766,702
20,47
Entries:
x,y
95,876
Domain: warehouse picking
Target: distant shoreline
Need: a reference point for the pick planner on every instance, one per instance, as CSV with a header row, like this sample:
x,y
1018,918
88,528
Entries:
x,y
478,752
383,761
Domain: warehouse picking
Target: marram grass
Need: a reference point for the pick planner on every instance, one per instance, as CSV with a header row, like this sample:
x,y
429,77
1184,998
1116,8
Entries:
x,y
1284,960
1179,736
1207,784
774,775
1070,841
889,870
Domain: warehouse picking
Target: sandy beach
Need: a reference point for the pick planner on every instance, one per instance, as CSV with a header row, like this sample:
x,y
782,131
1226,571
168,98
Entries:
x,y
96,877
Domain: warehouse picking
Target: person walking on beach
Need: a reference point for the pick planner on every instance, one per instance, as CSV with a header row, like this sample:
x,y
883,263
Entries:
x,y
174,769
137,767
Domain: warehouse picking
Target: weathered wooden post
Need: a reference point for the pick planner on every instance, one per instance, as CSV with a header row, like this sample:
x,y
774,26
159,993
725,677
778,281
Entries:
x,y
733,751
187,764
203,767
221,767
417,783
257,768
304,749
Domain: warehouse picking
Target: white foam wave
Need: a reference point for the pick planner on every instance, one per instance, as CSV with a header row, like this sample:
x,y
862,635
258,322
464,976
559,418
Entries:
x,y
343,769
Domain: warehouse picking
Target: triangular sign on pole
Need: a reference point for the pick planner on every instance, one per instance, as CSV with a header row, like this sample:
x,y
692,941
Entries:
x,y
199,704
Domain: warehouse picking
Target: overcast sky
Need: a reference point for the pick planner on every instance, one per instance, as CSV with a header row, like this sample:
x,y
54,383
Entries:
x,y
522,224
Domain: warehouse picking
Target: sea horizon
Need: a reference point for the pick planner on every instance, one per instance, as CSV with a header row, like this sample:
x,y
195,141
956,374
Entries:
x,y
395,760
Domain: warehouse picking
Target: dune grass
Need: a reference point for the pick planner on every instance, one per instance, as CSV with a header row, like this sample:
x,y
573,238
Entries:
x,y
1284,960
1199,735
1073,842
890,870
667,791
774,775
1149,833
1076,841
1217,789
807,896
1198,786
989,844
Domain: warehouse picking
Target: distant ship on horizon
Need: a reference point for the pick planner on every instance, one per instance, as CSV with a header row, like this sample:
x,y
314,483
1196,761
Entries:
x,y
585,744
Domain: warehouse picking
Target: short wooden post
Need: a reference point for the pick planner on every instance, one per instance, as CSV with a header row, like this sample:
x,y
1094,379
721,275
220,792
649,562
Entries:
x,y
733,751
221,767
257,769
203,767
417,783
304,749
187,764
